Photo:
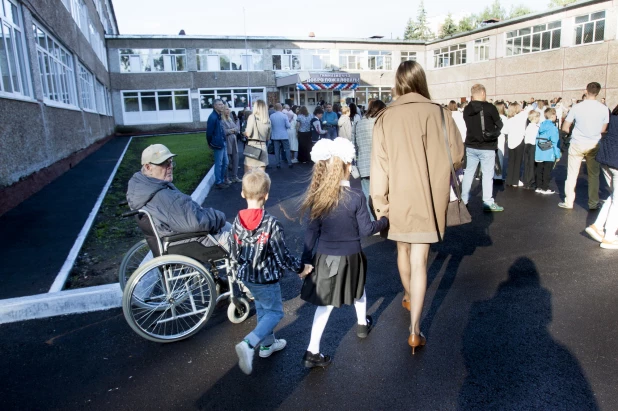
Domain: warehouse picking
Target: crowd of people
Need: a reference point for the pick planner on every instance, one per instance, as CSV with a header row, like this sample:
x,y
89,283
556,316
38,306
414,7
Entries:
x,y
404,163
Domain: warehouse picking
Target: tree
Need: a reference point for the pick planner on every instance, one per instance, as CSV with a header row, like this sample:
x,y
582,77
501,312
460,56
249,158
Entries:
x,y
560,3
493,11
418,30
448,27
519,11
466,24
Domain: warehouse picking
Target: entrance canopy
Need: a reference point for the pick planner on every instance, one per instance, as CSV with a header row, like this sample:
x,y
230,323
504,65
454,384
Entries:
x,y
321,81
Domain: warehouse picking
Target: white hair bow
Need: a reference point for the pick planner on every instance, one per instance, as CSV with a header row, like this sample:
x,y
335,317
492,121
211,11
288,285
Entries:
x,y
340,147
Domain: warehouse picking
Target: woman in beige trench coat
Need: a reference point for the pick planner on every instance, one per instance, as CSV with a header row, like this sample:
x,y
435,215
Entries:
x,y
410,181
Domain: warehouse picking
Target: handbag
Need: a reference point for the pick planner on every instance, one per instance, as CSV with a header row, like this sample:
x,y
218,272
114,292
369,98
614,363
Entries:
x,y
354,171
544,144
457,213
252,152
489,136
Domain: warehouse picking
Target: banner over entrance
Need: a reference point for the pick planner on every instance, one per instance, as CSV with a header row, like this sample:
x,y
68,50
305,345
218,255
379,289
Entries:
x,y
326,86
321,81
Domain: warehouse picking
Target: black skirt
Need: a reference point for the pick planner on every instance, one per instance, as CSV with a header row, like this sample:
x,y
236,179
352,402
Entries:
x,y
335,280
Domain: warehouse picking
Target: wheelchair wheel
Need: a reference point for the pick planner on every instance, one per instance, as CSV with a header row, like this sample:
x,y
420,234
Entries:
x,y
238,315
169,298
131,261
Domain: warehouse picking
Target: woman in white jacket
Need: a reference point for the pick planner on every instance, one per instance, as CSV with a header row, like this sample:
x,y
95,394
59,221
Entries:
x,y
501,140
515,128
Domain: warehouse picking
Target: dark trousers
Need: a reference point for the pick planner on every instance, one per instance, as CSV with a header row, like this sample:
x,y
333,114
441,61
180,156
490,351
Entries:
x,y
513,171
543,174
304,146
529,165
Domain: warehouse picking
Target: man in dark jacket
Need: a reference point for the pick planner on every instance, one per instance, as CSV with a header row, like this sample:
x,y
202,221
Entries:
x,y
215,135
173,211
481,145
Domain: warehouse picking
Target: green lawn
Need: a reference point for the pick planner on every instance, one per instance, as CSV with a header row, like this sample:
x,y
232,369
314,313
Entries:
x,y
111,236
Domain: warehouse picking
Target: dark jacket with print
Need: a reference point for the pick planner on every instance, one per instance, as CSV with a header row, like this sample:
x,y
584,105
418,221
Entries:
x,y
608,151
260,255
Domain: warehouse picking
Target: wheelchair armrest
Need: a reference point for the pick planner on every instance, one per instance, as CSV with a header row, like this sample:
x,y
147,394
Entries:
x,y
183,236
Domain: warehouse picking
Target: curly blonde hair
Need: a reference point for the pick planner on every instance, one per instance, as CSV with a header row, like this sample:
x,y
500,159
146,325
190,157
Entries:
x,y
325,190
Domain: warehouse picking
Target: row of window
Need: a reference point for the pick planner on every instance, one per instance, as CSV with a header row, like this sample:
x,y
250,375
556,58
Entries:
x,y
588,29
169,60
13,68
80,14
58,77
174,106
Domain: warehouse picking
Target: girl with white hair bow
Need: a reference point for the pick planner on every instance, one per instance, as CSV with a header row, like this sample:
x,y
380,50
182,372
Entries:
x,y
338,219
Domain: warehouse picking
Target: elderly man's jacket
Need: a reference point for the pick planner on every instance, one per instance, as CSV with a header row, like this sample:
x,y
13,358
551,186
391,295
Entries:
x,y
173,211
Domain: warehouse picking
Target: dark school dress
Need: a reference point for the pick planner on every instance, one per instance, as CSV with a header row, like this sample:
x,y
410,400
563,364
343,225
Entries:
x,y
340,266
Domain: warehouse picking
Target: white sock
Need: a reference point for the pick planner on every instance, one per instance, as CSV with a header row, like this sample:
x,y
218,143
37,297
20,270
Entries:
x,y
361,309
319,324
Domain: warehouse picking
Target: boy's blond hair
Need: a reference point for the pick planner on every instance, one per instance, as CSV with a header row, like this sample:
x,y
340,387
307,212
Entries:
x,y
549,112
256,185
534,115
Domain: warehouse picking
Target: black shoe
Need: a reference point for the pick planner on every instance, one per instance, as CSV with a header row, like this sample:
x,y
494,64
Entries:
x,y
315,360
363,330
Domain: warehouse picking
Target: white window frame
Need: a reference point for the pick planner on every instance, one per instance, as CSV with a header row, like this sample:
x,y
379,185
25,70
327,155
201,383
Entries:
x,y
156,116
250,59
86,83
58,84
232,92
383,93
442,57
481,49
358,58
17,70
408,56
100,98
291,55
320,56
595,23
382,60
525,38
140,59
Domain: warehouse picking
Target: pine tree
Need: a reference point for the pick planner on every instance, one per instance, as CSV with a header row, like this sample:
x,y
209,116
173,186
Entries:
x,y
494,11
519,11
466,24
448,27
418,30
560,3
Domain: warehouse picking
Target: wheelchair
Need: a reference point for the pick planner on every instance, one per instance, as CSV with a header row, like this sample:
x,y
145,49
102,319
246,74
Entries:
x,y
175,286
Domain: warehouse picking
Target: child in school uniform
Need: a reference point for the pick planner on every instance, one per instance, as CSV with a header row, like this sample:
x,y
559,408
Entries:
x,y
545,155
259,256
532,132
338,219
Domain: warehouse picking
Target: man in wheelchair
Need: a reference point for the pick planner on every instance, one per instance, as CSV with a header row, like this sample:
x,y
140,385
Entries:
x,y
173,212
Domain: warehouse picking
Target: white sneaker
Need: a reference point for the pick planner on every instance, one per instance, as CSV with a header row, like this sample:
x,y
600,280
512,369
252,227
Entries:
x,y
538,190
595,233
549,192
278,345
294,161
520,184
610,245
245,357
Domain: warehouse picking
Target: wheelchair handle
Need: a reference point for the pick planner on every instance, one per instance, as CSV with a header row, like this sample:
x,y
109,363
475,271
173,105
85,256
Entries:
x,y
130,213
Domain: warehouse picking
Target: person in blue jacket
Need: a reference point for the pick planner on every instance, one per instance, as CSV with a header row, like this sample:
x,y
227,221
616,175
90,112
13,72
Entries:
x,y
547,151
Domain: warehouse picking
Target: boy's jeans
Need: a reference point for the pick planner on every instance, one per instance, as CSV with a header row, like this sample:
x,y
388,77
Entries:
x,y
487,158
269,309
220,164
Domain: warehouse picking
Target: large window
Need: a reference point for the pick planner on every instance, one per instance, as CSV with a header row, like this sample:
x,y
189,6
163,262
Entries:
x,y
450,56
237,99
286,59
533,39
364,94
352,59
316,59
56,67
86,83
229,59
481,49
590,28
379,60
101,96
152,60
13,68
160,106
408,56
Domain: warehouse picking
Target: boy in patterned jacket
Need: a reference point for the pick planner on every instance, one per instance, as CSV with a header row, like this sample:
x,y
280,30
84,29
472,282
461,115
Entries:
x,y
259,255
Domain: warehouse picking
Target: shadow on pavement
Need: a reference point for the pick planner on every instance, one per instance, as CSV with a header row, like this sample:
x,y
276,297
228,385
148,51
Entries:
x,y
511,359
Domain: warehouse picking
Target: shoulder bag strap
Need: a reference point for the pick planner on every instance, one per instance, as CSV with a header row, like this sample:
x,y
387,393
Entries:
x,y
450,158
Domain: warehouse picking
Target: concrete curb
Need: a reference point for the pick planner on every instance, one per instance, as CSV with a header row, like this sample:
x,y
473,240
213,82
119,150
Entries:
x,y
81,300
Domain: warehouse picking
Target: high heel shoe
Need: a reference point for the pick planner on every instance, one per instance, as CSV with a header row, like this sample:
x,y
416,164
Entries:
x,y
405,304
415,341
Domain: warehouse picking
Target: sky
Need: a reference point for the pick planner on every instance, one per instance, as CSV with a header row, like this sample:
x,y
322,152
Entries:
x,y
352,18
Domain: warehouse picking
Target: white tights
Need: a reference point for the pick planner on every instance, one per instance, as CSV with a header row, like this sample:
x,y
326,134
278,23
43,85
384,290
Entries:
x,y
321,318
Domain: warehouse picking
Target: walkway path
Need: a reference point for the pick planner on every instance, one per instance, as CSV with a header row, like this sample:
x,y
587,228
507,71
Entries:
x,y
37,235
520,314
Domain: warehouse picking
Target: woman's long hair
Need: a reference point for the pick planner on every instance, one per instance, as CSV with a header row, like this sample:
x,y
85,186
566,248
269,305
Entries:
x,y
514,109
375,107
410,78
260,111
615,112
353,111
304,111
325,190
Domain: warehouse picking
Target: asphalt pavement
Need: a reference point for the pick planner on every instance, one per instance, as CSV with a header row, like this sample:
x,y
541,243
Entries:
x,y
520,314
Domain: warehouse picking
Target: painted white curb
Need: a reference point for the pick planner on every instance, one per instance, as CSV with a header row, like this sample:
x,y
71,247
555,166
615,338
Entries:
x,y
81,300
85,299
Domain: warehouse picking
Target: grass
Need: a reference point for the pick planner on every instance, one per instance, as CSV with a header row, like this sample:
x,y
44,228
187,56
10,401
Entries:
x,y
111,236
